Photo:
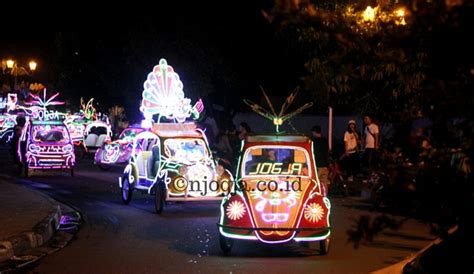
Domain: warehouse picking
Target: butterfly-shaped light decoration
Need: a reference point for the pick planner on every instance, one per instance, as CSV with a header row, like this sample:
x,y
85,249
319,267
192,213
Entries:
x,y
277,119
163,95
88,110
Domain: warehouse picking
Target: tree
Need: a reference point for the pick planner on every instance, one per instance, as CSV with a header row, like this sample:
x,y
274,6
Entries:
x,y
379,60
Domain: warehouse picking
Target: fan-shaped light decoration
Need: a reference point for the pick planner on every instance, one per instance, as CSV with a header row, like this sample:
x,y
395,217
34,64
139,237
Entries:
x,y
163,95
313,212
277,119
235,210
38,107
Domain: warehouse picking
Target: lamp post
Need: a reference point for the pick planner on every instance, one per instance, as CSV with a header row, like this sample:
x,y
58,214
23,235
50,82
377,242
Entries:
x,y
16,69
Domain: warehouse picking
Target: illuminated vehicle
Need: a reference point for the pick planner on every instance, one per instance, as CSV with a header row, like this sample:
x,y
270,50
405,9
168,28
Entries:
x,y
48,145
96,134
76,125
174,162
277,197
118,151
7,123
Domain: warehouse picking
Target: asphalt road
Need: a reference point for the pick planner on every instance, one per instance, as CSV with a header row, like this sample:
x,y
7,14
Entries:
x,y
118,238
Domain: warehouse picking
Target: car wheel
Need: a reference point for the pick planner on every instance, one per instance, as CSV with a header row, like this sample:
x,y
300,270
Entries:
x,y
324,246
226,244
160,197
127,190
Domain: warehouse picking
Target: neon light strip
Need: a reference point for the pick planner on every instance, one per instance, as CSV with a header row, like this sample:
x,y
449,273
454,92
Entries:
x,y
274,147
317,238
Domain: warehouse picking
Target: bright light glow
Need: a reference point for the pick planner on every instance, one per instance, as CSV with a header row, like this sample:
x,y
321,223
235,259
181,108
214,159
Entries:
x,y
308,239
235,210
12,99
32,65
369,14
400,12
313,212
10,63
163,95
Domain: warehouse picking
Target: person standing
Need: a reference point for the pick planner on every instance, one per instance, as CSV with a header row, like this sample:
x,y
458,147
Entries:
x,y
244,130
371,137
351,148
321,155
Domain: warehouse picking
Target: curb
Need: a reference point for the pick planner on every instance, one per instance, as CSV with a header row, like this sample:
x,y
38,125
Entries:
x,y
39,235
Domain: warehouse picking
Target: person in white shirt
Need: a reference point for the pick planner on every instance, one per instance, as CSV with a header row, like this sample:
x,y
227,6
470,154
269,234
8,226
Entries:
x,y
371,137
351,145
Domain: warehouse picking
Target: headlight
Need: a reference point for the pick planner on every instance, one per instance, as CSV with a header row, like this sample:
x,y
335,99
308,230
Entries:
x,y
67,148
34,148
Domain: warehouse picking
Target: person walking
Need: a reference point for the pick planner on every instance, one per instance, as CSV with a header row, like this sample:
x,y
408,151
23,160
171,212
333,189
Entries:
x,y
351,149
321,155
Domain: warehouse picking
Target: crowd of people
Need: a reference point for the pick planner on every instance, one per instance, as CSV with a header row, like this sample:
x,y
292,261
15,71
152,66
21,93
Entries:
x,y
227,146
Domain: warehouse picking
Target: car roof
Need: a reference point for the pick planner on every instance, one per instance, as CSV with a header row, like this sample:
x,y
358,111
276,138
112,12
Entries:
x,y
283,138
176,130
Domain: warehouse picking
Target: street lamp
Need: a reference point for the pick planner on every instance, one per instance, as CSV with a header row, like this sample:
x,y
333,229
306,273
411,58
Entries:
x,y
16,69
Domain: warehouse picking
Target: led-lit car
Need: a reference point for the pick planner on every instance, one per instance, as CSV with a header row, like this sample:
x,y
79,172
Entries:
x,y
174,162
277,197
118,151
96,134
46,145
7,123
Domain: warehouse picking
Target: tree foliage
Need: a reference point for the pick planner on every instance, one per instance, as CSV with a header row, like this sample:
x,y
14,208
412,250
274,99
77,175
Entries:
x,y
385,67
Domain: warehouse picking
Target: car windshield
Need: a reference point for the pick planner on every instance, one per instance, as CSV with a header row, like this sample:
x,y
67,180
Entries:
x,y
186,150
98,130
275,160
50,134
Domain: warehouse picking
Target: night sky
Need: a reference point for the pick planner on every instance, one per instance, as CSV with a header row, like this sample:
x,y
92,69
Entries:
x,y
220,49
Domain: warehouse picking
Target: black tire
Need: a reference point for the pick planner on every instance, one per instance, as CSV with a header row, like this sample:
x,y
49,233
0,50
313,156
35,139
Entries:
x,y
226,244
160,197
72,172
126,191
324,246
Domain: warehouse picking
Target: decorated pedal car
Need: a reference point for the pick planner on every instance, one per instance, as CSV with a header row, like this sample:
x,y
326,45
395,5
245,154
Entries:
x,y
45,142
88,129
96,134
118,151
7,123
277,197
48,146
173,159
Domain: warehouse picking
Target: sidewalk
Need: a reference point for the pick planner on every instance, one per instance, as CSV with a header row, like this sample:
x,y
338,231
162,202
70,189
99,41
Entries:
x,y
28,219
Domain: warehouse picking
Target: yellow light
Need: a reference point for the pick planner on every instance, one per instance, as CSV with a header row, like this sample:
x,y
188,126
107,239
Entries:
x,y
33,65
403,22
369,14
10,63
235,210
400,12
